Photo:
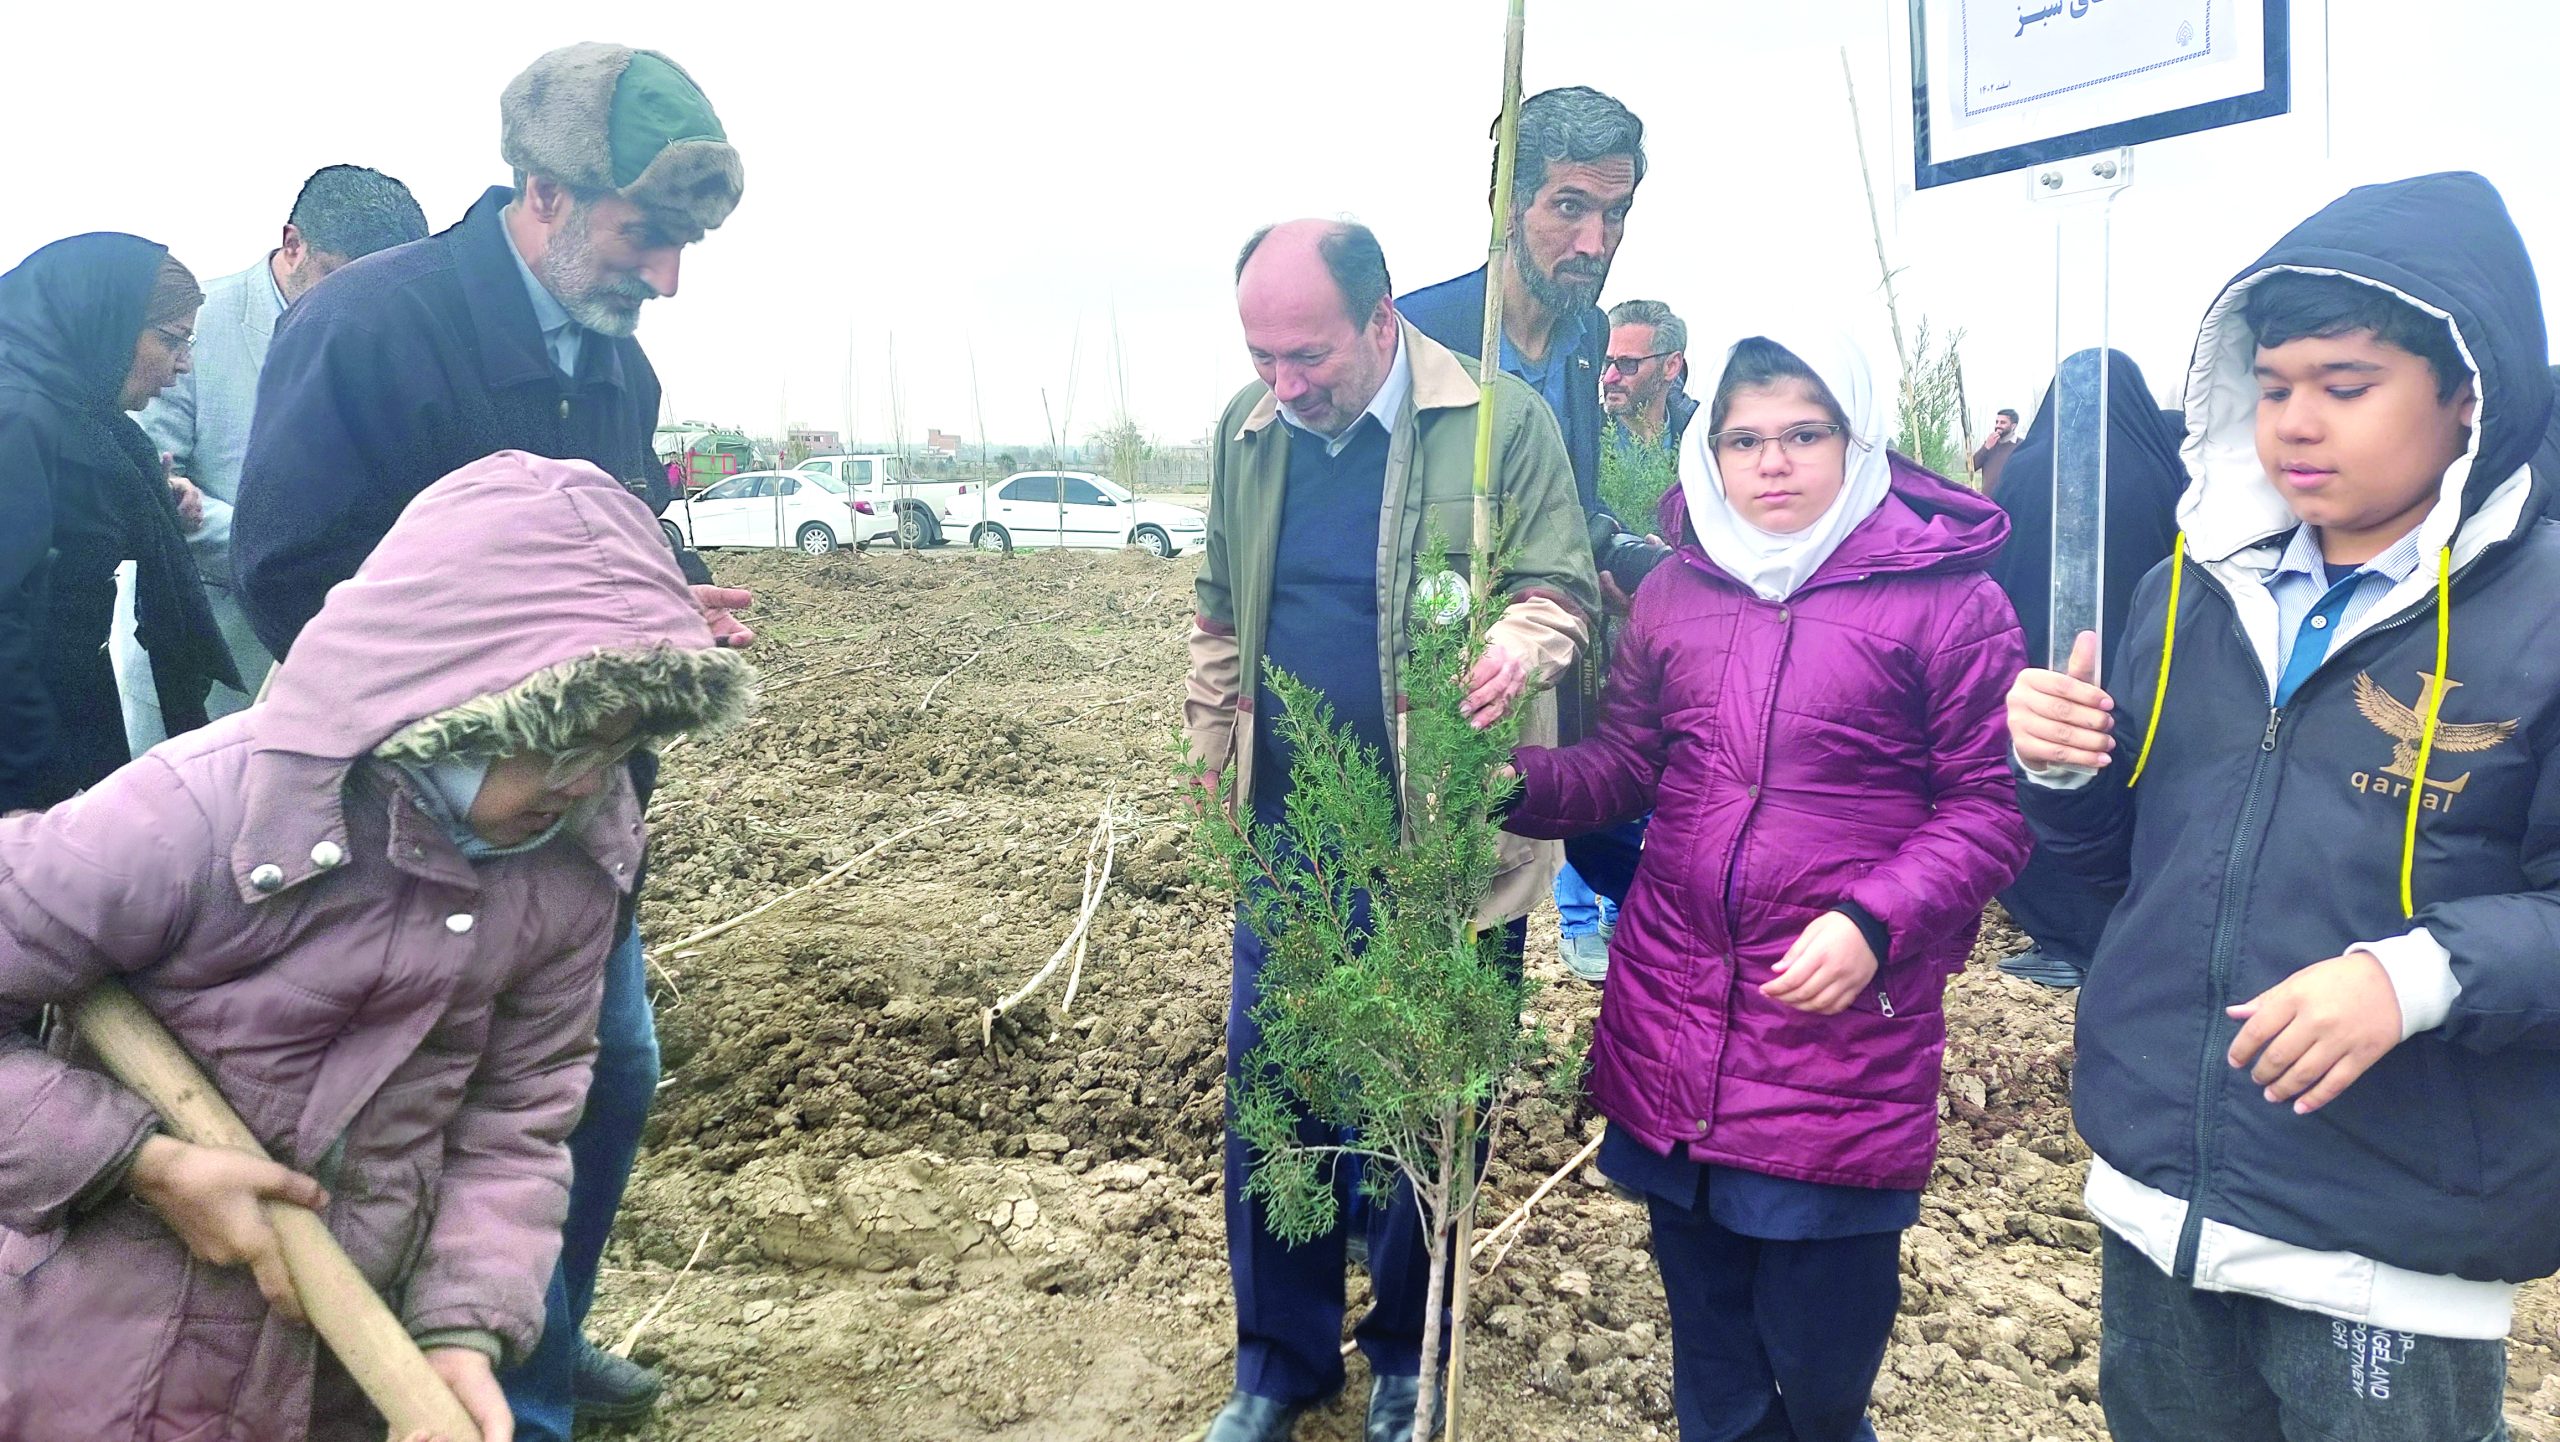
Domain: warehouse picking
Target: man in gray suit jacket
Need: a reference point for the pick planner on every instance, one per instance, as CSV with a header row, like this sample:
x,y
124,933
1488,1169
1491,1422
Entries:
x,y
345,212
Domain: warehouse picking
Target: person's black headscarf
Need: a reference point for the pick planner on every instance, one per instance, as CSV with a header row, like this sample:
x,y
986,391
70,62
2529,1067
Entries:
x,y
70,315
2144,481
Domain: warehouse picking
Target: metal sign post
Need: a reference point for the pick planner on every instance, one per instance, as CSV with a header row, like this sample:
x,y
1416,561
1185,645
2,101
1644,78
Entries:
x,y
2081,194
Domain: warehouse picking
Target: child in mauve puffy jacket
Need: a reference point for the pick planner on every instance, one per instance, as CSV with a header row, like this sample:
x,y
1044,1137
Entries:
x,y
374,908
1808,698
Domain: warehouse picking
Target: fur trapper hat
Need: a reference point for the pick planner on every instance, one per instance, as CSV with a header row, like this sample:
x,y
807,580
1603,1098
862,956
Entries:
x,y
608,117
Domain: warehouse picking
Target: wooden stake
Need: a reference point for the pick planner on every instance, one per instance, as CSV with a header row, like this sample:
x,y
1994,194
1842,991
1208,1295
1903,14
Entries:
x,y
343,1307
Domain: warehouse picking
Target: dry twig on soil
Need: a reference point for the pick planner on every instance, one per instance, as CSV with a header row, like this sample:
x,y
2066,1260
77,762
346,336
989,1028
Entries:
x,y
1105,706
1106,839
786,684
804,888
631,1338
927,702
1520,1214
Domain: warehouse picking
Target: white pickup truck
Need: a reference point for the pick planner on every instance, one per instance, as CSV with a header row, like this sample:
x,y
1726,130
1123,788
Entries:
x,y
891,489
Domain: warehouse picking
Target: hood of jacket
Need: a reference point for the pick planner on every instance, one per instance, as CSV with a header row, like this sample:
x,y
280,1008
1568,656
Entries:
x,y
2445,244
515,605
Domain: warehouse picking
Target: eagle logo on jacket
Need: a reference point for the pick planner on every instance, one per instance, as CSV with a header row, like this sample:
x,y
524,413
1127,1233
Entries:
x,y
2405,724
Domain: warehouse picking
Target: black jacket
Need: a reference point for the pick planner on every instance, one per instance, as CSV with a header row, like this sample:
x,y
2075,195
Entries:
x,y
84,493
2260,841
404,367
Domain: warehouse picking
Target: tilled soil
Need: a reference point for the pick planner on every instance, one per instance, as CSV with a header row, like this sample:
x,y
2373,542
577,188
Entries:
x,y
903,1226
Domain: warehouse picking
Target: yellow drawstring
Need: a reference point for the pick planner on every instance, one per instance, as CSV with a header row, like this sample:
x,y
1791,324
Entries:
x,y
2427,728
2168,646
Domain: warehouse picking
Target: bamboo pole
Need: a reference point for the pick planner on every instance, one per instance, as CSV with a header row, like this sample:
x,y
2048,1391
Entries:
x,y
343,1307
1875,225
1506,155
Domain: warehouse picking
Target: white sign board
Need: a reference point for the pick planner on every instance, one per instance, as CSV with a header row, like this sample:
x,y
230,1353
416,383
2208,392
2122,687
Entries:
x,y
2004,84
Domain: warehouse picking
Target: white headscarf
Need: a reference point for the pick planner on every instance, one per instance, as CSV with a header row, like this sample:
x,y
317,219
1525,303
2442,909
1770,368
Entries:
x,y
1774,566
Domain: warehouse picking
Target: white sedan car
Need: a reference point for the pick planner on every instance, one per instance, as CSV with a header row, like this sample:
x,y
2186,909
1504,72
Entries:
x,y
775,508
1074,508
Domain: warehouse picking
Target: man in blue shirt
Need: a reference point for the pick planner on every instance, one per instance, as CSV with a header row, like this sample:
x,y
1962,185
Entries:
x,y
1581,157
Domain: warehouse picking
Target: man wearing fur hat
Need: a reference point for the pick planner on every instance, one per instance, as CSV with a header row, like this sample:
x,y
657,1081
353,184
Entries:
x,y
511,331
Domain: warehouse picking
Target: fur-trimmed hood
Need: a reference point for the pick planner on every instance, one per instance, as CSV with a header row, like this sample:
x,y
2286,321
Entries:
x,y
515,603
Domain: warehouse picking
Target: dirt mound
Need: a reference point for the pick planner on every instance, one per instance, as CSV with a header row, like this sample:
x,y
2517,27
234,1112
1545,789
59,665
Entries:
x,y
907,1232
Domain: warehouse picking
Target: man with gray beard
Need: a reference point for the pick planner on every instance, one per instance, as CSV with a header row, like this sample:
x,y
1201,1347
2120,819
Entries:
x,y
511,331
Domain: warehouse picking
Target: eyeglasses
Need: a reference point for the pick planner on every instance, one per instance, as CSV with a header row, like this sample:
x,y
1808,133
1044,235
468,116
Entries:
x,y
1627,365
569,768
1793,441
179,341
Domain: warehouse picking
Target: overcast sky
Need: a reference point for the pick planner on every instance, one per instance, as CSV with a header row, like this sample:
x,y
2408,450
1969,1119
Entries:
x,y
1023,179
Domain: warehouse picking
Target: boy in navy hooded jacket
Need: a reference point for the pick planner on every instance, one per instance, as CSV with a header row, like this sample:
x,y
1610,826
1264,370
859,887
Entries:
x,y
2319,1050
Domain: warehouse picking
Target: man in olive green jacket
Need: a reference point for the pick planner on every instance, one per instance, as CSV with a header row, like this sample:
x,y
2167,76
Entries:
x,y
1329,478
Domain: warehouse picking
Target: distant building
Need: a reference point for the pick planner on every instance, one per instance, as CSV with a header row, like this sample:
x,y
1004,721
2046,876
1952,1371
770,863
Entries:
x,y
815,443
941,443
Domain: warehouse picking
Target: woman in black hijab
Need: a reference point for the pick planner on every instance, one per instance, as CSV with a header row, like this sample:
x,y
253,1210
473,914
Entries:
x,y
90,328
2061,914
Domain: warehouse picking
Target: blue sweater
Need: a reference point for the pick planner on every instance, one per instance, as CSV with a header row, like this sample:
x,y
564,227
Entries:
x,y
1324,601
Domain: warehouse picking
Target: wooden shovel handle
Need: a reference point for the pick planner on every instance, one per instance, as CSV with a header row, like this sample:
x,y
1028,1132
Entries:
x,y
343,1307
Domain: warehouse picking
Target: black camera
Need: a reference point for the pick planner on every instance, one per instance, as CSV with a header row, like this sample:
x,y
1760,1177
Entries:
x,y
1624,556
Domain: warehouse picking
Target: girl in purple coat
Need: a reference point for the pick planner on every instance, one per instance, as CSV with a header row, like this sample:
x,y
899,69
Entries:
x,y
375,909
1809,699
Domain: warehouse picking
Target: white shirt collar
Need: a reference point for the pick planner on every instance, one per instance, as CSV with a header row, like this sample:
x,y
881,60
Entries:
x,y
1386,405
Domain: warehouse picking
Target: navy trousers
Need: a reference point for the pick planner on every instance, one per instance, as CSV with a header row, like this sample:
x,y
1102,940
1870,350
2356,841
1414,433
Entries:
x,y
1773,1341
601,1151
1606,860
1289,1300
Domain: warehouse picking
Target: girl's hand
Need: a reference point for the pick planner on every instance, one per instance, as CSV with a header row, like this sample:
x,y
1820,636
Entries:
x,y
475,1384
1827,967
214,1199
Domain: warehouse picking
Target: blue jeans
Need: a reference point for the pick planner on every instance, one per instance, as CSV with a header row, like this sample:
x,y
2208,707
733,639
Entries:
x,y
1602,865
1581,910
601,1149
2179,1365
